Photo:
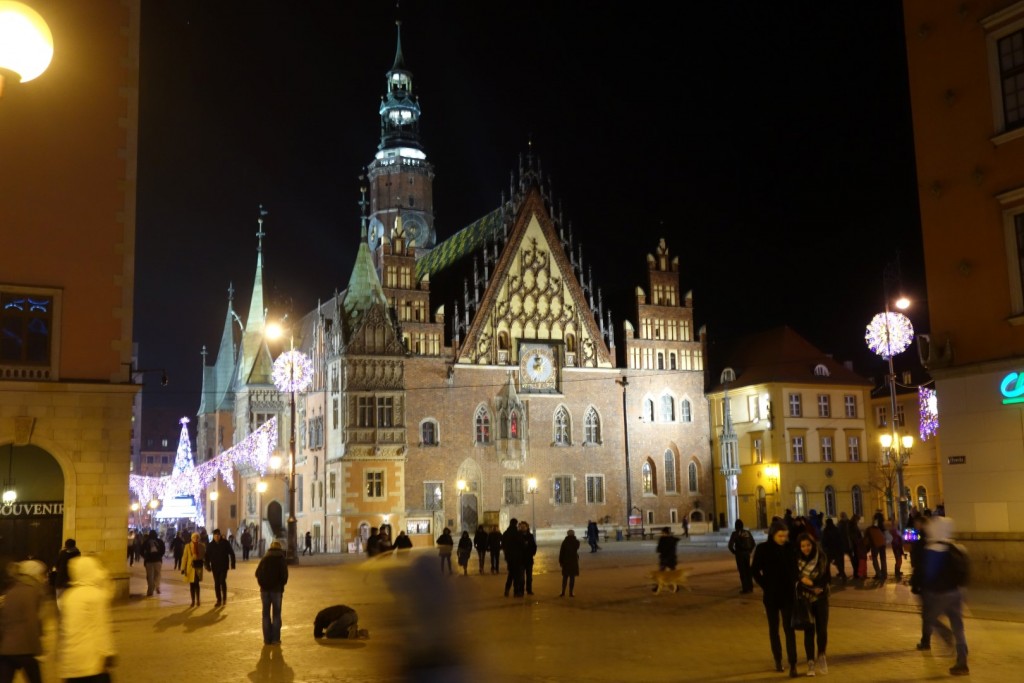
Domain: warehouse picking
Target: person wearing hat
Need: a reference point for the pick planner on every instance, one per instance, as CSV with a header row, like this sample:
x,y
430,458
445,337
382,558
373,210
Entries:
x,y
569,561
272,575
774,570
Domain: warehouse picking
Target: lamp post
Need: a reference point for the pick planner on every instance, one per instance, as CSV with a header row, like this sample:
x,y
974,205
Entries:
x,y
531,488
624,382
896,450
461,486
293,371
26,44
261,487
214,495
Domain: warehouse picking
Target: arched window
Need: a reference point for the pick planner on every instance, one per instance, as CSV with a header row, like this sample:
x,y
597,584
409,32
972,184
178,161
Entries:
x,y
685,414
670,472
668,409
647,478
483,425
661,360
857,500
592,426
830,501
428,433
693,478
562,428
513,425
672,361
922,498
799,502
649,410
503,341
570,343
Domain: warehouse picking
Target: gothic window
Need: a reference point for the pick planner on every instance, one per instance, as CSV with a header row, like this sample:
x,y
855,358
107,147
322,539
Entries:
x,y
513,425
685,414
562,427
922,498
670,472
592,426
562,485
428,433
649,410
570,343
647,478
503,341
483,426
693,477
668,409
433,495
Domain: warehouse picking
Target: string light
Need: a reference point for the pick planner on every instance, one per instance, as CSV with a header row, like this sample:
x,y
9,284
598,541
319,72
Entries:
x,y
889,334
928,403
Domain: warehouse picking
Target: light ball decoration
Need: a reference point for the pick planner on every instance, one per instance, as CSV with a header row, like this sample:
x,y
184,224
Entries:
x,y
889,334
293,371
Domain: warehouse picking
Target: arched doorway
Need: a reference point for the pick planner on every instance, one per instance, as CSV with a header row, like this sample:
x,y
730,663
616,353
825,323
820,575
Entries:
x,y
274,517
469,512
32,526
762,508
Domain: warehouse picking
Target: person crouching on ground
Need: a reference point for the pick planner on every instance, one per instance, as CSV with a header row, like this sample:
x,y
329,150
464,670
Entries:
x,y
813,567
774,570
338,621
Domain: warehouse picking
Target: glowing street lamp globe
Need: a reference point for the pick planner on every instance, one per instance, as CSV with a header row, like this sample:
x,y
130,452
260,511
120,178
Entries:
x,y
889,334
26,44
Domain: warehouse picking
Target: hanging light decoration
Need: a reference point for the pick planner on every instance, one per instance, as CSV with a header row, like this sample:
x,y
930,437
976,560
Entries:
x,y
928,403
293,371
889,334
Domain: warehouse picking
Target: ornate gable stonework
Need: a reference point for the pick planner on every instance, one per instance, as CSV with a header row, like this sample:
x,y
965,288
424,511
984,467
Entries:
x,y
534,296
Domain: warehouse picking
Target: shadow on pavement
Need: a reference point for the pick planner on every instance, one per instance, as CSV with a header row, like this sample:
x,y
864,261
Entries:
x,y
341,643
190,619
271,667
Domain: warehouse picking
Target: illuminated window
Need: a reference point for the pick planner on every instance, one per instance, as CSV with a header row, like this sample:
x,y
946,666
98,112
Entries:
x,y
592,427
795,409
595,488
800,502
562,432
826,449
562,489
850,401
514,493
433,495
881,416
798,448
758,451
922,498
375,483
670,472
647,478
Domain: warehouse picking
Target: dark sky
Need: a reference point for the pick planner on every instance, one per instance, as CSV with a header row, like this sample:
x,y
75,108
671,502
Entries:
x,y
769,143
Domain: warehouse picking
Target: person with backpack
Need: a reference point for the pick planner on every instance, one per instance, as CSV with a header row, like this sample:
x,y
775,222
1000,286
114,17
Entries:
x,y
945,571
153,558
741,544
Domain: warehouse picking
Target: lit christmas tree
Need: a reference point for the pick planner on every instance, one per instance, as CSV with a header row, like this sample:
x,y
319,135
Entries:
x,y
183,460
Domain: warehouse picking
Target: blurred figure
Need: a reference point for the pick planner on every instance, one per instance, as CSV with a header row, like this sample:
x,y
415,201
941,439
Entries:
x,y
445,543
569,561
19,621
465,550
373,542
178,548
192,567
153,558
60,569
946,569
85,638
741,544
219,556
308,547
592,534
402,541
530,544
897,549
494,548
246,544
514,547
832,542
774,570
480,543
876,544
666,549
272,575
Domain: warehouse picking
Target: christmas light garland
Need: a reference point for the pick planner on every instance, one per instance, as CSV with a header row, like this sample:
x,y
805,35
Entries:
x,y
928,403
889,334
293,371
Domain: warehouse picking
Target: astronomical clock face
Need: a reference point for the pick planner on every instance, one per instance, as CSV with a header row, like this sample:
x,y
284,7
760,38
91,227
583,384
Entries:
x,y
538,371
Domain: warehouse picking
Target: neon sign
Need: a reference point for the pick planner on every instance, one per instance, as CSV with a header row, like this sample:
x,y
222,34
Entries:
x,y
1012,388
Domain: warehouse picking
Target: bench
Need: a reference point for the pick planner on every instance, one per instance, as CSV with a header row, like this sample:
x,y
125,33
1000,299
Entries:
x,y
639,532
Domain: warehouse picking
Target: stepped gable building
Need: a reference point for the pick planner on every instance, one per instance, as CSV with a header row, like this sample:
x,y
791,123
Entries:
x,y
508,403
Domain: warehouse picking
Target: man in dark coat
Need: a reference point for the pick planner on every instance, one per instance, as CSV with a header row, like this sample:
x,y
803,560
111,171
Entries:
x,y
666,549
569,561
480,543
153,550
494,547
219,554
178,549
531,549
338,621
515,558
741,544
60,569
774,570
272,575
373,542
246,544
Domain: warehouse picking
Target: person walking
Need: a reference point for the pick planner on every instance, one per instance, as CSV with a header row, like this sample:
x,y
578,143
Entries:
x,y
592,534
945,571
61,578
272,575
480,543
569,561
774,570
494,548
856,545
20,627
308,547
686,526
896,543
530,551
153,558
402,542
666,549
465,550
832,544
514,547
445,543
813,570
219,556
246,544
741,544
876,544
85,636
178,549
192,566
131,547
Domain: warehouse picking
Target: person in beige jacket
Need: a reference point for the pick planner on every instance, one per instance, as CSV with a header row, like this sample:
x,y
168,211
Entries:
x,y
192,566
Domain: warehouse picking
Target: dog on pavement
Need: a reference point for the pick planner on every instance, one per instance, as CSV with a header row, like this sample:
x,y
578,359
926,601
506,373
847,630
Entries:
x,y
673,579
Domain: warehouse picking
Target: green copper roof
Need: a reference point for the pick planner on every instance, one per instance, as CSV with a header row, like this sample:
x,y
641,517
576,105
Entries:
x,y
465,241
363,286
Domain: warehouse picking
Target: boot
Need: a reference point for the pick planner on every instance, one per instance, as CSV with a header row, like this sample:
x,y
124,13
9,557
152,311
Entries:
x,y
960,668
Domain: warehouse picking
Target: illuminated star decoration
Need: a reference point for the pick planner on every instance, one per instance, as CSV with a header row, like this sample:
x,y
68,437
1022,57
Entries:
x,y
889,334
928,403
293,371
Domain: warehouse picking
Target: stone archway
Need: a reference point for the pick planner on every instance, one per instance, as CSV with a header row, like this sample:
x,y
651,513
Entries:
x,y
33,524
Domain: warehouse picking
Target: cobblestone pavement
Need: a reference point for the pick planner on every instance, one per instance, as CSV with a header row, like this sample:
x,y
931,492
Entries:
x,y
426,627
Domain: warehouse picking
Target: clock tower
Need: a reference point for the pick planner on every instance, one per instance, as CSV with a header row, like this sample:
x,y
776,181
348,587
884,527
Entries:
x,y
400,177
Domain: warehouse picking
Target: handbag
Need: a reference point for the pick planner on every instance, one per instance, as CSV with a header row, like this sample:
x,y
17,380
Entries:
x,y
802,618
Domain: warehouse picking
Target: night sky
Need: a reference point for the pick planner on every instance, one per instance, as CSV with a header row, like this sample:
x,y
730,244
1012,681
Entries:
x,y
769,143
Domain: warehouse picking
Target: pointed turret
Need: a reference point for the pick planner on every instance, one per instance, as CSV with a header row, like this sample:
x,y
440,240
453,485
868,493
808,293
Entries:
x,y
253,340
399,109
217,394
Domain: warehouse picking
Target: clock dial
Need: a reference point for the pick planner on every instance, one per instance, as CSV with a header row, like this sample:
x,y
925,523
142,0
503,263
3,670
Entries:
x,y
537,368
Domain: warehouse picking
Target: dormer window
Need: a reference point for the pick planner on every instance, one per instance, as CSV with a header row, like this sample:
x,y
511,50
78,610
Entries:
x,y
821,371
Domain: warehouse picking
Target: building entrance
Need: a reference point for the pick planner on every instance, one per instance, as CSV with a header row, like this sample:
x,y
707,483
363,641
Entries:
x,y
32,525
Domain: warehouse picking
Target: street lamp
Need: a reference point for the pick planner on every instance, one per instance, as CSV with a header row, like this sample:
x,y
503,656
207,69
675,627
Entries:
x,y
261,488
896,451
461,486
624,382
26,44
293,371
531,488
772,472
134,507
153,505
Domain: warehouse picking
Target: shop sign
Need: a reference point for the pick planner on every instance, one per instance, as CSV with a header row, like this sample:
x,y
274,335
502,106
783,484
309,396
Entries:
x,y
1012,388
32,509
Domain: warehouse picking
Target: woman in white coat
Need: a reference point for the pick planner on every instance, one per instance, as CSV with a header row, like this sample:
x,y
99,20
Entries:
x,y
85,639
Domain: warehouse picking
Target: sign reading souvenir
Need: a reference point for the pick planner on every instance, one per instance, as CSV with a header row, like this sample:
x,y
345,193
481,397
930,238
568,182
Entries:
x,y
538,368
30,509
1012,388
